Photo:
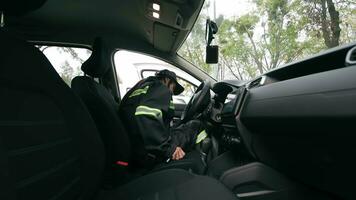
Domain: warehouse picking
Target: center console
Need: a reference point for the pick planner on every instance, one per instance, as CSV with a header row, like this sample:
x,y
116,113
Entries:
x,y
254,180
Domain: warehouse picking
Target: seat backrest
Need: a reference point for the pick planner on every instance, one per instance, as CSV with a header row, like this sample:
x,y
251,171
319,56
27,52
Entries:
x,y
104,109
49,146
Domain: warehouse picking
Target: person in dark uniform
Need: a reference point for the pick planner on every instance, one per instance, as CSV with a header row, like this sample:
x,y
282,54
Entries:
x,y
147,111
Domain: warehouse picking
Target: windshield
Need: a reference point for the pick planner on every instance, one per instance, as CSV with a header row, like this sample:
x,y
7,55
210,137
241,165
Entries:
x,y
256,36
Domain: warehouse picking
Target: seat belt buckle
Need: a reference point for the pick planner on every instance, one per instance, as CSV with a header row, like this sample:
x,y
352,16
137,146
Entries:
x,y
122,163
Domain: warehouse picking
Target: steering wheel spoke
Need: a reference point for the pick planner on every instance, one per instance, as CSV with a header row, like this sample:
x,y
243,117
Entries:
x,y
199,101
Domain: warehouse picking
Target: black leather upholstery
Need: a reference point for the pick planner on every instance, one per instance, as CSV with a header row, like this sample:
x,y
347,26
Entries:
x,y
19,7
103,108
49,146
172,184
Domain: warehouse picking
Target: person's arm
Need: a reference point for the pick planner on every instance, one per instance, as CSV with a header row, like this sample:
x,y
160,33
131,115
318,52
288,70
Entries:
x,y
149,115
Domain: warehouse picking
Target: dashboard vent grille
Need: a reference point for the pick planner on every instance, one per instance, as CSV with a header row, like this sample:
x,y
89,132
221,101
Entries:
x,y
255,83
351,57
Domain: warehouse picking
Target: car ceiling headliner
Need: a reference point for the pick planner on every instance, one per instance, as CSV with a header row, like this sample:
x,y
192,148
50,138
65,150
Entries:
x,y
80,21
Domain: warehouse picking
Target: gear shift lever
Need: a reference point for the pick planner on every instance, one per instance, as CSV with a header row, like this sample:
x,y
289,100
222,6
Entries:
x,y
206,145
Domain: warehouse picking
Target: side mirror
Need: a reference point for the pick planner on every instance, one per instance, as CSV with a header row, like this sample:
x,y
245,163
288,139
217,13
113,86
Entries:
x,y
212,51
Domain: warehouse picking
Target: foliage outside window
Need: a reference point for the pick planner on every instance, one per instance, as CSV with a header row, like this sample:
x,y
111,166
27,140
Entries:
x,y
66,60
270,34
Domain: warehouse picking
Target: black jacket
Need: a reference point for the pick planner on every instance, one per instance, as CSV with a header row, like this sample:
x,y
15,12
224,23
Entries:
x,y
147,110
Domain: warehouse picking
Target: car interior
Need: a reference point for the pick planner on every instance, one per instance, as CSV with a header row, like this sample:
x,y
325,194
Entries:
x,y
287,134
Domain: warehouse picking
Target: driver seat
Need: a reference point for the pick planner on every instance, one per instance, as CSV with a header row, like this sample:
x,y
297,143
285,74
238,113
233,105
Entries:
x,y
104,111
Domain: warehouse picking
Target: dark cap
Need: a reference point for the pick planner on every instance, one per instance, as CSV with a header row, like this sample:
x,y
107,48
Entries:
x,y
171,75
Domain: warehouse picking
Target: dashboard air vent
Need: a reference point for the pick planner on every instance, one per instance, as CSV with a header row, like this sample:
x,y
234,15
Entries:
x,y
351,57
255,83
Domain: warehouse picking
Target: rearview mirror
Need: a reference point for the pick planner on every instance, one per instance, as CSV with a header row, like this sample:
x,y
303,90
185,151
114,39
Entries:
x,y
212,51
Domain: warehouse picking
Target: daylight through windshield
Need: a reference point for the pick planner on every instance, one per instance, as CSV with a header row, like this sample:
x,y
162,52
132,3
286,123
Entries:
x,y
256,36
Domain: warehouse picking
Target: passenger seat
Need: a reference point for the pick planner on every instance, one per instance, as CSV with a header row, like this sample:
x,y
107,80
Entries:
x,y
49,145
104,111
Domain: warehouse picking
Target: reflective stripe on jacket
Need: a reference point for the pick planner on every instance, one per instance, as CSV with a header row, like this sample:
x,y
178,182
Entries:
x,y
147,110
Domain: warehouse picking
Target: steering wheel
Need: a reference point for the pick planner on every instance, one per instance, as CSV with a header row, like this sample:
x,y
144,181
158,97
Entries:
x,y
199,101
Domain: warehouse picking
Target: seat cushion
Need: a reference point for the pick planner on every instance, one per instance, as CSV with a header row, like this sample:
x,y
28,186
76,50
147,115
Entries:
x,y
170,184
192,161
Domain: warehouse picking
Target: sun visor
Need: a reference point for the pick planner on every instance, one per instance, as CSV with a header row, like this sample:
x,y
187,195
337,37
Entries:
x,y
164,37
19,7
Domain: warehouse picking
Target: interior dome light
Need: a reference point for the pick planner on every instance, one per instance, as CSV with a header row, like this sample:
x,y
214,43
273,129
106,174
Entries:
x,y
156,6
155,15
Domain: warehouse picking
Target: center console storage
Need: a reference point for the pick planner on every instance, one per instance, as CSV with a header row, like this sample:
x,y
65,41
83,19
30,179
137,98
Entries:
x,y
252,181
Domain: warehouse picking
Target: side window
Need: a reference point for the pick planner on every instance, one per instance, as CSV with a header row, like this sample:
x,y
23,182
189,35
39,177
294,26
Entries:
x,y
66,60
132,67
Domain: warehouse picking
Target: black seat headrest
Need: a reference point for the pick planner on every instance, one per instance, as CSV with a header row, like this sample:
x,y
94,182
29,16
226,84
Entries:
x,y
19,7
98,63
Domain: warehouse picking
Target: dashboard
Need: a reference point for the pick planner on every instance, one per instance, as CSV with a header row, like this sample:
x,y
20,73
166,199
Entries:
x,y
301,113
229,95
227,104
